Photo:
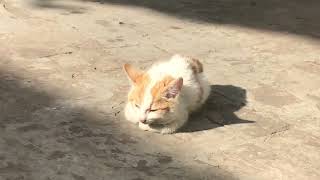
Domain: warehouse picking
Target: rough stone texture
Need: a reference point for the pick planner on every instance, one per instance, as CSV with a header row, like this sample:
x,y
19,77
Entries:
x,y
62,89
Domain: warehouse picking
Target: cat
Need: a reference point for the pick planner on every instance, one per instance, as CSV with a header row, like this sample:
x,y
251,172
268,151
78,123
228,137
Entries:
x,y
161,99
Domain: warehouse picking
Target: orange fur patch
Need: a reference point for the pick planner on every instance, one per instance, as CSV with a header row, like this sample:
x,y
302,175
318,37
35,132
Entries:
x,y
157,93
137,94
196,66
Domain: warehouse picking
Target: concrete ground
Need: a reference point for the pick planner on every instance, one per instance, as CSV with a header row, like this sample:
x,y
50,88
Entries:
x,y
62,89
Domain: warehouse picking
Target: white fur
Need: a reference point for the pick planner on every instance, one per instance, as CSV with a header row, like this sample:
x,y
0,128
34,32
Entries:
x,y
187,101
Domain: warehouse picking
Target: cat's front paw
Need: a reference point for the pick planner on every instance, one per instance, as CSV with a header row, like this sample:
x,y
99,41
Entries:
x,y
167,130
146,127
170,128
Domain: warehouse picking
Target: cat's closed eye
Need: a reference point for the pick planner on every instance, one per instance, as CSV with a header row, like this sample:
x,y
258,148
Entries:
x,y
137,106
159,109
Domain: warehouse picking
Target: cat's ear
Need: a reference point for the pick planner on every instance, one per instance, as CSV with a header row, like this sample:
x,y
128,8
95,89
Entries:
x,y
133,73
174,88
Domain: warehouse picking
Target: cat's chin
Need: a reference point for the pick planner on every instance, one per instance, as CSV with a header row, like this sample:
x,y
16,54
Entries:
x,y
156,125
159,122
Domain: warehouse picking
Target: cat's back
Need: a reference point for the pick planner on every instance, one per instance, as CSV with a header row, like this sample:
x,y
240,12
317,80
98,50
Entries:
x,y
177,66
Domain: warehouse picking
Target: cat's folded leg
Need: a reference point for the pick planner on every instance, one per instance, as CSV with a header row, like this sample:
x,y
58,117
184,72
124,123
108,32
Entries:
x,y
170,128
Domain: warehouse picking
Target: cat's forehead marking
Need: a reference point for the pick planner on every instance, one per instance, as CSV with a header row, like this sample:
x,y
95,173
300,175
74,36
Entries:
x,y
157,93
148,99
160,86
147,92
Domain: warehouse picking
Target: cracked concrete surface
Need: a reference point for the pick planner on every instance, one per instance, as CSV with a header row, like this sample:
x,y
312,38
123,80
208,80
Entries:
x,y
62,89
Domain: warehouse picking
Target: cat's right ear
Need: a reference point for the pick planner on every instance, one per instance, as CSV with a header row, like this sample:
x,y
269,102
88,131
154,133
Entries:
x,y
132,73
174,88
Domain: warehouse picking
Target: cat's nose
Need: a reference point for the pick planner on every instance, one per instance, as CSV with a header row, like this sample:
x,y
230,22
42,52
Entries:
x,y
143,120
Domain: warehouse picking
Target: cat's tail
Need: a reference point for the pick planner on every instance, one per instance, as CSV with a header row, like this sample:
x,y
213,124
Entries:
x,y
196,65
193,63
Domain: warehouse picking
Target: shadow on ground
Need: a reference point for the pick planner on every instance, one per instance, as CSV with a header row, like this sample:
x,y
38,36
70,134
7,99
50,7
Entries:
x,y
292,16
223,102
44,137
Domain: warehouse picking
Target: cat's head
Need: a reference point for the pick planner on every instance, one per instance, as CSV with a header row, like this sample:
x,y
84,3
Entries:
x,y
151,100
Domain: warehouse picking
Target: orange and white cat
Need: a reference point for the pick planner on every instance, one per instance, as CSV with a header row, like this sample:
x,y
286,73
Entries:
x,y
162,98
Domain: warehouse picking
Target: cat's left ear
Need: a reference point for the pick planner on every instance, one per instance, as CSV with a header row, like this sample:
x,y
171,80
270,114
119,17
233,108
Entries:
x,y
174,88
133,73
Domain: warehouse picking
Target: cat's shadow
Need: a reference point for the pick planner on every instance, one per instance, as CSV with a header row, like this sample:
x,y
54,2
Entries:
x,y
219,110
